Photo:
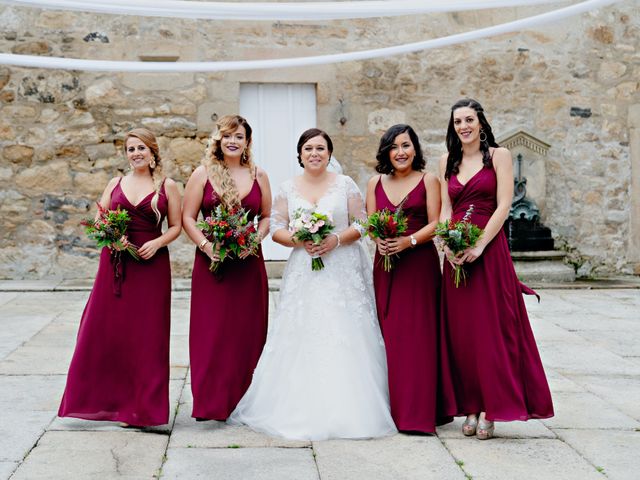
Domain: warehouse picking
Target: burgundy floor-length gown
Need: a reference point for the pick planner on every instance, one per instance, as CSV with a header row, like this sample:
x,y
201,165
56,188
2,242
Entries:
x,y
228,322
120,367
408,299
489,352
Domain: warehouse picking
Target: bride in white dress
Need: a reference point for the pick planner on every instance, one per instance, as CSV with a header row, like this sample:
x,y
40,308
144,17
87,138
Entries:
x,y
323,370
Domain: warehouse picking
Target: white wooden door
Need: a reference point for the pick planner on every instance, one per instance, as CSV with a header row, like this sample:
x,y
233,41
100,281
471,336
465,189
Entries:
x,y
278,113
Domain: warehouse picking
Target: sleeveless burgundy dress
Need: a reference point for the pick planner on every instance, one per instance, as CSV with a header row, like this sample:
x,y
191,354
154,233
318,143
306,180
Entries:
x,y
228,322
407,300
489,354
120,367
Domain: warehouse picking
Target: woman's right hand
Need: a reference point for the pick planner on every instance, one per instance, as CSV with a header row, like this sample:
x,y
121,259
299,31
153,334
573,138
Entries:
x,y
451,258
310,247
383,248
214,255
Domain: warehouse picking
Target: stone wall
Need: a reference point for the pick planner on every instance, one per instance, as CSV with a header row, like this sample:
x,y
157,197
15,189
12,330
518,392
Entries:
x,y
573,85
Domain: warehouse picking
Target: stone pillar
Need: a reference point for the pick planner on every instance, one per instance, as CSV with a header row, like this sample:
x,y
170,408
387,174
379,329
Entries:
x,y
634,213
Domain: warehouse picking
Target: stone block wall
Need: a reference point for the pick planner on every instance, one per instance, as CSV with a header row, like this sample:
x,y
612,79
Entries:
x,y
574,85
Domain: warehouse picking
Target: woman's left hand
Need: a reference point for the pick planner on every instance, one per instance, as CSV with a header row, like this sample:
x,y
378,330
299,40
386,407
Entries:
x,y
329,243
148,249
471,254
397,245
245,253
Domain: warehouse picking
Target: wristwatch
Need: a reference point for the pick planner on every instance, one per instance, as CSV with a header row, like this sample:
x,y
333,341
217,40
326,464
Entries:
x,y
414,242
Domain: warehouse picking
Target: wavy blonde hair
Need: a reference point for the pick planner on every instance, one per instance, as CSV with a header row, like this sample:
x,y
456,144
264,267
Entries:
x,y
149,139
213,159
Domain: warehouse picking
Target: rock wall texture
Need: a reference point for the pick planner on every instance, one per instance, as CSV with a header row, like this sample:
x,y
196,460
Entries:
x,y
573,84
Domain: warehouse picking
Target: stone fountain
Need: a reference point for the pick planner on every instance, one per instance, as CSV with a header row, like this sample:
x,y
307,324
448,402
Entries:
x,y
530,242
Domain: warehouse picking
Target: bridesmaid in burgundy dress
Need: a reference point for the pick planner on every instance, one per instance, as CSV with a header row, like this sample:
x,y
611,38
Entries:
x,y
120,367
489,352
229,311
408,297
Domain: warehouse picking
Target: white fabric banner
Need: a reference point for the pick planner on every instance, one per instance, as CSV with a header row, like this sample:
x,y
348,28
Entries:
x,y
134,66
273,11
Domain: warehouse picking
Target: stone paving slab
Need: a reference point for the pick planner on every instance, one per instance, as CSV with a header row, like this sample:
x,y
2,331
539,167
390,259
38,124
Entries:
x,y
570,358
179,351
94,455
547,332
187,433
29,285
561,383
508,459
588,320
399,457
529,429
625,343
18,329
7,468
578,410
31,393
6,297
240,464
35,360
616,452
621,392
20,432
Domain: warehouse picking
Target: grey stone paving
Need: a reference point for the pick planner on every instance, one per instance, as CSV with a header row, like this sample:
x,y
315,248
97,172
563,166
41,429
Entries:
x,y
589,340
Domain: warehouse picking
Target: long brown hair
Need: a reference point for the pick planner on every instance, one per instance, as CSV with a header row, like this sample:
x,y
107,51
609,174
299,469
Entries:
x,y
149,139
213,159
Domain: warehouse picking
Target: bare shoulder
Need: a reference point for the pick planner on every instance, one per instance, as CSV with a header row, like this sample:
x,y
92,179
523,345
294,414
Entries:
x,y
261,174
501,156
112,184
170,183
430,179
373,181
200,171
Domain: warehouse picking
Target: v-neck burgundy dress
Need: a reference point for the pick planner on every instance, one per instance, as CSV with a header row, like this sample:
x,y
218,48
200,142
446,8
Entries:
x,y
120,367
228,321
407,300
490,355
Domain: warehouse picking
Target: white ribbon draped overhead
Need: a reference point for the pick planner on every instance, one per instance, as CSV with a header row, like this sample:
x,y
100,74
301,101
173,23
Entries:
x,y
270,11
215,66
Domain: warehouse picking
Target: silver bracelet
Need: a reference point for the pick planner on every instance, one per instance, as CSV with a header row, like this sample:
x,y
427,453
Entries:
x,y
337,236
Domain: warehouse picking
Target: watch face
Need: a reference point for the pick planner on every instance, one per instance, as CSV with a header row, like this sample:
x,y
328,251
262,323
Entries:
x,y
413,240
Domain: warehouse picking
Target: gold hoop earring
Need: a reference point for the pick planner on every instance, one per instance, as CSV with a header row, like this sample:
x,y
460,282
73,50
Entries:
x,y
152,164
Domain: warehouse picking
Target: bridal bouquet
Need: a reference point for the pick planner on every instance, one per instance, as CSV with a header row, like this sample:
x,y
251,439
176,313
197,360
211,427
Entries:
x,y
459,236
109,230
308,225
385,224
231,232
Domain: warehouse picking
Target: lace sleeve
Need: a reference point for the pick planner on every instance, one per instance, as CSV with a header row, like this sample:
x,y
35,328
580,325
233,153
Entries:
x,y
279,211
355,202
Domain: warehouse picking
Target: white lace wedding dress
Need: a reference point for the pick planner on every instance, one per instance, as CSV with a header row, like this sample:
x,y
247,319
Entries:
x,y
323,370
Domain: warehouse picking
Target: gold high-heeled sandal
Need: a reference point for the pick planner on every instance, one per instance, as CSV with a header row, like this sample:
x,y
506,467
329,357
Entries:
x,y
485,430
469,426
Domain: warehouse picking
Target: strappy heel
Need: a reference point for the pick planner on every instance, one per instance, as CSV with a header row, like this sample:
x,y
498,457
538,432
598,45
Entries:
x,y
469,426
485,430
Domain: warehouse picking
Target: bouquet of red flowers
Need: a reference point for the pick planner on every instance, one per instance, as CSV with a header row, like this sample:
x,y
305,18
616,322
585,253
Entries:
x,y
459,236
387,224
314,226
109,230
231,232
